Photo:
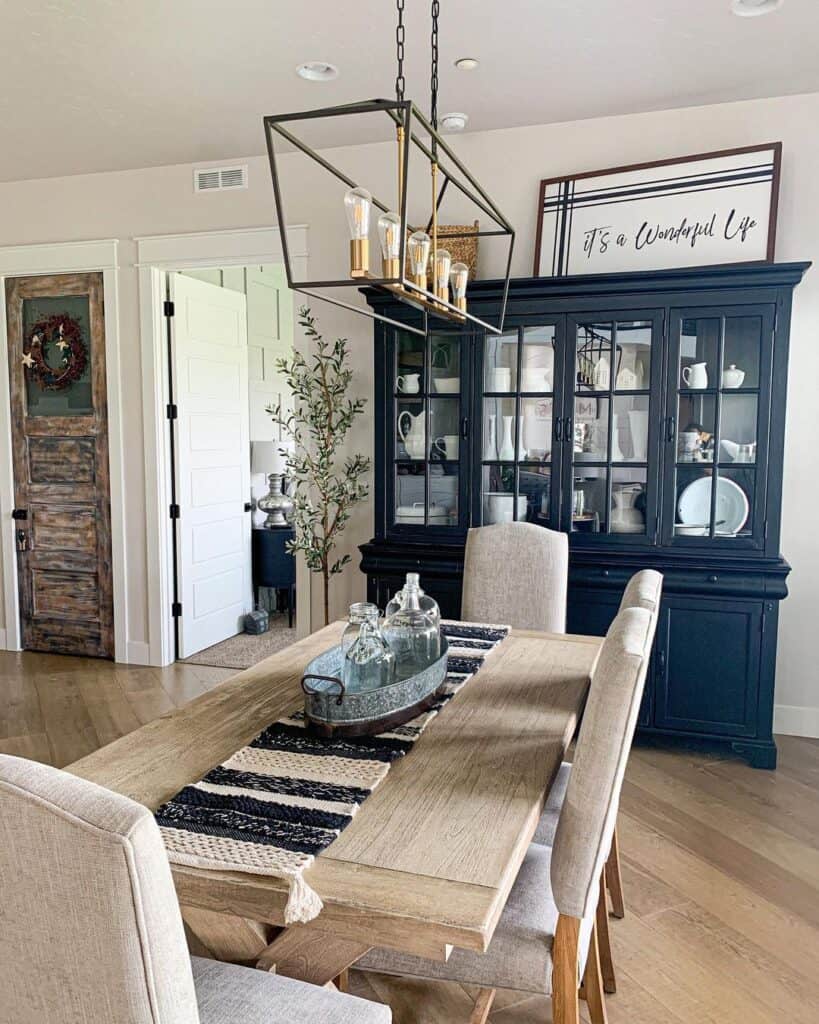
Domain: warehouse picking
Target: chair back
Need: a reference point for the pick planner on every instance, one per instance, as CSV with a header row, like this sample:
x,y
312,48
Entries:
x,y
90,928
516,574
589,812
643,590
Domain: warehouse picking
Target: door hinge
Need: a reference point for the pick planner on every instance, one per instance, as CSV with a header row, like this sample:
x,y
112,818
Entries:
x,y
174,511
167,308
19,513
176,609
171,411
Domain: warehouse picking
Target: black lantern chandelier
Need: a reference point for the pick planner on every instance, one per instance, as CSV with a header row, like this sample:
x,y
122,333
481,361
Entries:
x,y
412,265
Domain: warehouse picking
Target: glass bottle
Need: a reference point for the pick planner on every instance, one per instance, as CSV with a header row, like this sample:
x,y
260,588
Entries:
x,y
412,635
358,614
428,604
369,663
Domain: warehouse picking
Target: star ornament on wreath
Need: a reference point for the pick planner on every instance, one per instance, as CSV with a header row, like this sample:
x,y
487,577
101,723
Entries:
x,y
64,333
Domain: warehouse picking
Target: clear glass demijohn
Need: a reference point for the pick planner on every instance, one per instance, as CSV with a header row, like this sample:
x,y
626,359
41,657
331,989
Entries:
x,y
412,635
369,663
427,604
359,613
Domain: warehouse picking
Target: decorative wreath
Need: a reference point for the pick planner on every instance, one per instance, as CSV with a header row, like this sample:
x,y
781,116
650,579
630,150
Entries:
x,y
66,333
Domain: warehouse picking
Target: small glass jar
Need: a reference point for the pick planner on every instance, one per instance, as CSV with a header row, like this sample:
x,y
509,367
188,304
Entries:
x,y
359,613
427,604
369,663
412,635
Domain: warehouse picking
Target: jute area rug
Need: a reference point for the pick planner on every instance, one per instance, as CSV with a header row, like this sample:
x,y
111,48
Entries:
x,y
245,650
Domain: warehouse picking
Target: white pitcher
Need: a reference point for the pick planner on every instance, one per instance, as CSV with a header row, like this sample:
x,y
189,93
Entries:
x,y
695,376
413,436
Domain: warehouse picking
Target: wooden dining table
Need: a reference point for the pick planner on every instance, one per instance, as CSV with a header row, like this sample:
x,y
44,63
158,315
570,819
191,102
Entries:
x,y
428,861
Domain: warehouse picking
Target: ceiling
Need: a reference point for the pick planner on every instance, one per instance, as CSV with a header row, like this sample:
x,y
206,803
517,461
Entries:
x,y
98,85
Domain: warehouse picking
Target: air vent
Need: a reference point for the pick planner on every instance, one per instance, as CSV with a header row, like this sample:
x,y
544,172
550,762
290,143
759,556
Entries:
x,y
218,179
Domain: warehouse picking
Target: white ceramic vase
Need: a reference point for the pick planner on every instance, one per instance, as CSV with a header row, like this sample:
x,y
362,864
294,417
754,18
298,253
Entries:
x,y
490,452
507,448
638,421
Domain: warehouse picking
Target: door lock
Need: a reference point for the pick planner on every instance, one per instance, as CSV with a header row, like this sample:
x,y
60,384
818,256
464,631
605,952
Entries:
x,y
22,540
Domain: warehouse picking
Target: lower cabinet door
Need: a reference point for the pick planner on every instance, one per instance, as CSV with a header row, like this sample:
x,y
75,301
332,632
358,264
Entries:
x,y
707,665
590,613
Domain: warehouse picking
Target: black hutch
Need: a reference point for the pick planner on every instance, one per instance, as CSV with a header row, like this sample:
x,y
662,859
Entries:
x,y
644,414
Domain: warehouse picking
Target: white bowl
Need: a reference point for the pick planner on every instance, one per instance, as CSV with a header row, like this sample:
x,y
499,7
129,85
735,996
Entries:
x,y
446,385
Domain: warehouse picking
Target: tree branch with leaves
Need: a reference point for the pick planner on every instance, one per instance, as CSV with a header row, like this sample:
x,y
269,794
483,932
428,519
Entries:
x,y
326,484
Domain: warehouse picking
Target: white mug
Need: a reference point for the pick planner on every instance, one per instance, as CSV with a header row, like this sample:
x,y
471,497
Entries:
x,y
409,383
447,445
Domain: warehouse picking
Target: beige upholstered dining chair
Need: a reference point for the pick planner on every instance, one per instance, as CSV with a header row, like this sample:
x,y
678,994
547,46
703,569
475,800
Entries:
x,y
546,938
90,928
516,574
643,590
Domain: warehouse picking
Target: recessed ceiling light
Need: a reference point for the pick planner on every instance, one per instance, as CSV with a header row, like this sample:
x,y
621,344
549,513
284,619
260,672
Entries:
x,y
466,63
317,71
753,8
455,122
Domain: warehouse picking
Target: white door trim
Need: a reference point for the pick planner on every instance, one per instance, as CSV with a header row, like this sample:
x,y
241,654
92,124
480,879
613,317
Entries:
x,y
156,254
66,258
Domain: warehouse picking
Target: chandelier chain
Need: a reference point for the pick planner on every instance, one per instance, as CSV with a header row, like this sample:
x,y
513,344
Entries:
x,y
400,81
433,82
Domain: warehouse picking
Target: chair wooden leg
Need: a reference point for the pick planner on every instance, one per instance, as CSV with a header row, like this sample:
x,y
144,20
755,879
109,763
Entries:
x,y
593,983
614,880
604,940
483,1004
565,1005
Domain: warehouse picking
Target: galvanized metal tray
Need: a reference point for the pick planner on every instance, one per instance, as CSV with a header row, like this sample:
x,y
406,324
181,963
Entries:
x,y
332,711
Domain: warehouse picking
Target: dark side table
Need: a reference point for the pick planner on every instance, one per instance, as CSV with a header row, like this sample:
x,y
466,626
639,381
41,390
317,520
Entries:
x,y
273,565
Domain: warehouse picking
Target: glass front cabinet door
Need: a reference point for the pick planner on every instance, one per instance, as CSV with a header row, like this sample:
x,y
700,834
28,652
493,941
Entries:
x,y
717,426
427,433
518,454
610,429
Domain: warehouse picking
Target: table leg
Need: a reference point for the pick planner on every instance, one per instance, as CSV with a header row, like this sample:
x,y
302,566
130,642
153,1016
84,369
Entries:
x,y
303,952
226,937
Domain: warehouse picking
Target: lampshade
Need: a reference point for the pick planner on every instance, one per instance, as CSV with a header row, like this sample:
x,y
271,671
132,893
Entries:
x,y
267,458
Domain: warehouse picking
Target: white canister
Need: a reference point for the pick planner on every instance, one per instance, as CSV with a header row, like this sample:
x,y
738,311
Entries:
x,y
500,507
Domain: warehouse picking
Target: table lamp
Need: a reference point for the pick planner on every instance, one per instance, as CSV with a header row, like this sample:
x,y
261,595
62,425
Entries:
x,y
270,458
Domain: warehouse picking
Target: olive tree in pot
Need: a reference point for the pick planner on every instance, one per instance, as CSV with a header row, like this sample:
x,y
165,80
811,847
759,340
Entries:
x,y
325,484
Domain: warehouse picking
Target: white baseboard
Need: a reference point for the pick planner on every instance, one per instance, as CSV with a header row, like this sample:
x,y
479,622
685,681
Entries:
x,y
3,640
792,720
137,652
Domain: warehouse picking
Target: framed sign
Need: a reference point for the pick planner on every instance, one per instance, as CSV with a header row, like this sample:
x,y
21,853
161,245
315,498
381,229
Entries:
x,y
690,212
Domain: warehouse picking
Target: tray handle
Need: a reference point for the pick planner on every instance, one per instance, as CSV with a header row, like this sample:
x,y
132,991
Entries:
x,y
329,679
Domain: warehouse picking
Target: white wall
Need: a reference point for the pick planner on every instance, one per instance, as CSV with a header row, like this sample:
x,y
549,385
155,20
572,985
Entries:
x,y
510,164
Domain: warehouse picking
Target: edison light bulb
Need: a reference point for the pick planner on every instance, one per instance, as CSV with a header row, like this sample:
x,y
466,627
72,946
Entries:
x,y
418,256
357,205
389,234
443,261
458,277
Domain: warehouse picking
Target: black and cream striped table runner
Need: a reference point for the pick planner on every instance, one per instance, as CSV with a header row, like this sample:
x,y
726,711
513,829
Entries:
x,y
273,806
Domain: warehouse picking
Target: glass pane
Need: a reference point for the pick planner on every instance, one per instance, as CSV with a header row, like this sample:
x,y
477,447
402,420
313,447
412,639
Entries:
x,y
443,494
589,506
445,364
535,484
628,501
498,492
696,423
593,361
410,429
537,359
735,502
536,418
699,347
740,362
591,429
738,428
75,398
629,440
498,429
633,369
444,428
501,369
409,373
410,494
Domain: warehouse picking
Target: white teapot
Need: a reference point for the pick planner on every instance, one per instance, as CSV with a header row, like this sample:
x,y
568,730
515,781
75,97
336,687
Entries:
x,y
733,377
411,430
695,376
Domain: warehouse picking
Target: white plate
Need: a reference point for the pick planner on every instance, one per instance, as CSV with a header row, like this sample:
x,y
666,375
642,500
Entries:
x,y
694,505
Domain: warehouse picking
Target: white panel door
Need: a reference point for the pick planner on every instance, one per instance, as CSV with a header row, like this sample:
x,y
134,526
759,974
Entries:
x,y
210,386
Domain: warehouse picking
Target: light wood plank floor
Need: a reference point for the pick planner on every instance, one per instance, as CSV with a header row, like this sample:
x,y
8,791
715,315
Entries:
x,y
720,862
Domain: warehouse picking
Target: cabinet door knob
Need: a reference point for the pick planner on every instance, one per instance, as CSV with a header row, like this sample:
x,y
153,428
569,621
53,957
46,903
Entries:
x,y
558,430
713,579
605,572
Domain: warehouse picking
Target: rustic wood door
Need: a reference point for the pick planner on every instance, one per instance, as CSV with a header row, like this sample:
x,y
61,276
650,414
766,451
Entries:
x,y
56,342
